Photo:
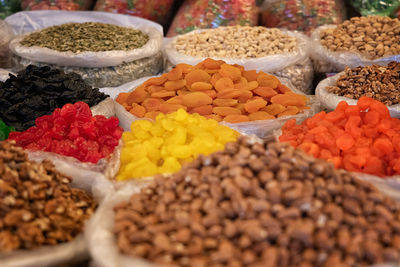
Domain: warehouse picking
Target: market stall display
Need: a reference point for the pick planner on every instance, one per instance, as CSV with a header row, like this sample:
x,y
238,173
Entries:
x,y
94,44
70,5
375,7
253,204
204,14
6,36
167,143
360,138
72,131
155,10
35,92
259,48
378,82
358,41
302,15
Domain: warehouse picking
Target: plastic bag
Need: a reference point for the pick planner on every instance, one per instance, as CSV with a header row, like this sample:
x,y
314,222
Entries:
x,y
106,76
4,75
302,15
203,14
6,36
331,61
375,7
330,100
31,21
261,128
70,252
8,7
69,5
155,10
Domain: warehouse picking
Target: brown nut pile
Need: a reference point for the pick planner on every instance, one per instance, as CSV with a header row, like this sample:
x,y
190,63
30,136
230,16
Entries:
x,y
259,205
378,82
37,205
372,36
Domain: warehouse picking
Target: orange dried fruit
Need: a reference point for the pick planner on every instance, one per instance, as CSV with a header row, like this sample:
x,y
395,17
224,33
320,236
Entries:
x,y
137,96
211,93
163,93
168,108
224,102
225,111
126,106
156,80
121,98
290,110
175,100
254,105
197,76
283,88
265,91
152,114
174,85
215,78
202,110
201,86
214,117
196,99
241,84
274,109
261,115
236,118
137,110
240,106
289,99
268,80
152,104
230,93
250,75
174,74
212,64
231,72
185,68
245,95
154,88
224,83
182,92
251,85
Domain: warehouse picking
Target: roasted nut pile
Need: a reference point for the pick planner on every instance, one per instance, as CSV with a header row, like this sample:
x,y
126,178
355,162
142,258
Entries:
x,y
378,82
88,36
372,36
236,42
37,205
259,205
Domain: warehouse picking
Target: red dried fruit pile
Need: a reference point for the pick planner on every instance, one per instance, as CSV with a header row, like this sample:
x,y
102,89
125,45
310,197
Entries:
x,y
72,131
361,138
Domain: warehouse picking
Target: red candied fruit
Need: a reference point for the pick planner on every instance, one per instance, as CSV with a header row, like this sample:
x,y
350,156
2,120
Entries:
x,y
72,131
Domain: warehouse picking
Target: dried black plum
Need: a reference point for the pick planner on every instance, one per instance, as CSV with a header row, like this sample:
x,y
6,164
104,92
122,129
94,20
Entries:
x,y
37,91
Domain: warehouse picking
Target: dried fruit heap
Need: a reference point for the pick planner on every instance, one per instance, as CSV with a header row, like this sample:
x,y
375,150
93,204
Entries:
x,y
38,207
37,91
259,205
359,138
173,139
72,131
215,90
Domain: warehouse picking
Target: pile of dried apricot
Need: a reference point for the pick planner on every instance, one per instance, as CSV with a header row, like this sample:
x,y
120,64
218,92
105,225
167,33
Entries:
x,y
215,90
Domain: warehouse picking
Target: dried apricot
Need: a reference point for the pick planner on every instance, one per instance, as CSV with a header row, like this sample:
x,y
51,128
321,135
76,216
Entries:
x,y
283,88
201,86
182,92
137,96
154,88
240,106
163,93
224,102
274,109
137,110
156,80
196,99
241,84
245,95
261,115
197,76
152,104
202,110
174,85
290,110
174,74
225,111
215,78
175,100
168,108
250,75
186,68
152,114
211,93
230,93
236,118
223,84
212,64
126,106
214,117
231,72
121,98
251,85
254,105
289,99
264,79
265,91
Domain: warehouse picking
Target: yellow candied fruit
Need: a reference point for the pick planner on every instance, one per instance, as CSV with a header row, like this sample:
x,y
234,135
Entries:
x,y
172,140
